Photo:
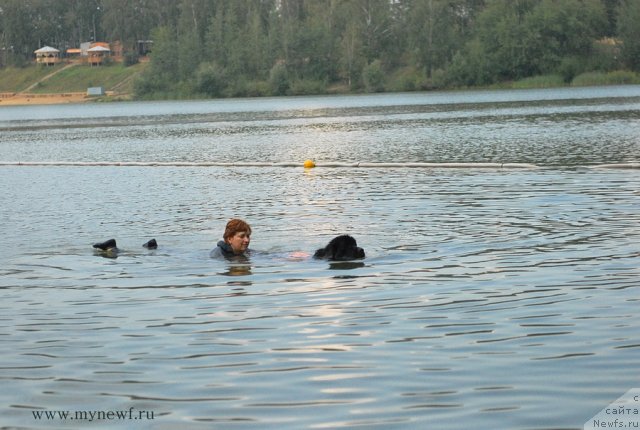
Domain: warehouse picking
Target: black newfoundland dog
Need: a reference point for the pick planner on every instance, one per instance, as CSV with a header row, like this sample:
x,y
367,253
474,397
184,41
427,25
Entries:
x,y
341,248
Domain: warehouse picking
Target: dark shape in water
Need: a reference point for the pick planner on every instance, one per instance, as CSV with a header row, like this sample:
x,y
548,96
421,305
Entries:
x,y
340,248
152,244
345,265
106,245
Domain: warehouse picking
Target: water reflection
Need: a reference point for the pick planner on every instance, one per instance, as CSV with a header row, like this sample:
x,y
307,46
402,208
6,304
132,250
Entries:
x,y
108,253
237,269
345,265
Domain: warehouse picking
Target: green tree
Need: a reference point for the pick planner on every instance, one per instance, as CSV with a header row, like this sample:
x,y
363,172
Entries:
x,y
119,19
314,46
436,30
373,77
611,7
470,66
523,38
503,39
131,20
279,80
18,36
225,38
190,31
162,76
210,79
48,23
81,18
351,60
629,32
563,33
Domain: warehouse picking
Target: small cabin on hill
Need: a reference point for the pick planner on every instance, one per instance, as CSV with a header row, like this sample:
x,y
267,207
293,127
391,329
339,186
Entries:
x,y
47,55
73,54
92,53
144,47
117,51
98,53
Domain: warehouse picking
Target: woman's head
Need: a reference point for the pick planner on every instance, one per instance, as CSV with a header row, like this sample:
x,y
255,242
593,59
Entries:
x,y
237,234
235,226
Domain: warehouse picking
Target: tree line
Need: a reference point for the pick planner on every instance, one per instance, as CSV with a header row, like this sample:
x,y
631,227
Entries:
x,y
219,48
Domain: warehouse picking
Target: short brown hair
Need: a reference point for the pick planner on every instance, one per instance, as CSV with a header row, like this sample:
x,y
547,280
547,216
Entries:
x,y
234,226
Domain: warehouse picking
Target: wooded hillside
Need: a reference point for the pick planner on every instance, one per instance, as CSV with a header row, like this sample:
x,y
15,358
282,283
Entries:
x,y
264,47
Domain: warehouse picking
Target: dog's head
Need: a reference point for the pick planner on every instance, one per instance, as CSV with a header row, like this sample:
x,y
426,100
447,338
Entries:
x,y
341,248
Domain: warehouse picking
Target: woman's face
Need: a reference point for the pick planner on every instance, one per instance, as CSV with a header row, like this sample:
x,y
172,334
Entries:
x,y
239,242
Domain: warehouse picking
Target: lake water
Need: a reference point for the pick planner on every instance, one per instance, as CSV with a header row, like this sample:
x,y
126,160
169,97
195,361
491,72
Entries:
x,y
489,298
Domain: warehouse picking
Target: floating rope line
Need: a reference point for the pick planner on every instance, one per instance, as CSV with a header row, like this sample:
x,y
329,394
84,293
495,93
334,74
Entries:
x,y
263,164
292,164
617,166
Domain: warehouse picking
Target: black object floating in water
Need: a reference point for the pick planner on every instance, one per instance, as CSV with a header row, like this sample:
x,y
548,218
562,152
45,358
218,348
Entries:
x,y
106,245
152,244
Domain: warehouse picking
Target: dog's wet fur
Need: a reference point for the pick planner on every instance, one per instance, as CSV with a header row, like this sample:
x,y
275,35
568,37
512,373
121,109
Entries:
x,y
107,245
340,248
152,244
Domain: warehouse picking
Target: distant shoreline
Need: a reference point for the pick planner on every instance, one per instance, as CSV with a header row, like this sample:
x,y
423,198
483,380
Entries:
x,y
25,99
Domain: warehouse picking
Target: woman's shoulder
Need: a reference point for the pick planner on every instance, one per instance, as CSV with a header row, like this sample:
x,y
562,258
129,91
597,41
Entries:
x,y
216,253
224,250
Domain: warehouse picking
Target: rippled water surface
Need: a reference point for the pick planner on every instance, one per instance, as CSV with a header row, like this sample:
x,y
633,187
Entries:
x,y
489,298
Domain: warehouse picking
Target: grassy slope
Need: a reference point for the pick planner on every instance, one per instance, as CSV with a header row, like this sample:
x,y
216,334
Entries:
x,y
73,79
17,79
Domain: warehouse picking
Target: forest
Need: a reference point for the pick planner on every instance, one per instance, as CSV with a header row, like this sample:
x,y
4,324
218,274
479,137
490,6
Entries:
x,y
230,48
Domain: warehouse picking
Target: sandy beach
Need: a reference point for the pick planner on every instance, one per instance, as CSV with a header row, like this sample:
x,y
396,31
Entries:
x,y
42,99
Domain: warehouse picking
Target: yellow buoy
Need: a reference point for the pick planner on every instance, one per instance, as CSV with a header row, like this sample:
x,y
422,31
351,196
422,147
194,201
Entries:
x,y
308,164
